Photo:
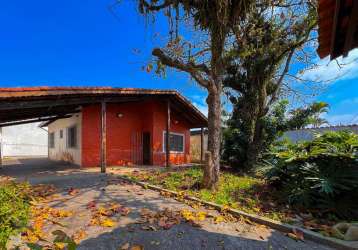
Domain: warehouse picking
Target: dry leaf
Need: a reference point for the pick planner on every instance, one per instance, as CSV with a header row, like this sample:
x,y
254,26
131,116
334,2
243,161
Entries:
x,y
60,245
73,191
125,246
107,223
137,247
79,235
219,219
91,205
298,233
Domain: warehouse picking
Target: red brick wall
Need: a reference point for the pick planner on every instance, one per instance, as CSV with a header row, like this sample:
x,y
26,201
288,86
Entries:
x,y
124,133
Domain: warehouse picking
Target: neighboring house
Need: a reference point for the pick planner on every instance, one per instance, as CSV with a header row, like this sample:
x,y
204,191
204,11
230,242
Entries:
x,y
307,134
195,144
23,140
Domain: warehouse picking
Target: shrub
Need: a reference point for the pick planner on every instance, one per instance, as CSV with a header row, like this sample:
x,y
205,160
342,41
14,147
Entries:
x,y
14,210
321,174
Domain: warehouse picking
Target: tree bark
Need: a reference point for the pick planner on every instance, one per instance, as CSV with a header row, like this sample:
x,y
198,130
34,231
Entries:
x,y
254,147
212,170
254,110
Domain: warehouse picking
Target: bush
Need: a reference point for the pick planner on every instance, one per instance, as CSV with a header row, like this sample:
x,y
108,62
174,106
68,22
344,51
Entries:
x,y
14,210
321,175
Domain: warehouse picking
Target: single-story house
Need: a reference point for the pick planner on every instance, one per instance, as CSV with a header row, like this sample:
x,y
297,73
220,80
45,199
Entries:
x,y
108,126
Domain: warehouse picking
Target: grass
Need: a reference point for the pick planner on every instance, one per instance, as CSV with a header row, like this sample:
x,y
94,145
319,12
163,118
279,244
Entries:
x,y
246,193
14,209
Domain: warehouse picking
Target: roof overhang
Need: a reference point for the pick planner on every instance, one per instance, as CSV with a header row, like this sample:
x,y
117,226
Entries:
x,y
50,103
338,22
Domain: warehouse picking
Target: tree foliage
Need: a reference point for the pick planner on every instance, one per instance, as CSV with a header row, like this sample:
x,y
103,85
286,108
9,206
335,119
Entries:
x,y
320,174
269,40
274,124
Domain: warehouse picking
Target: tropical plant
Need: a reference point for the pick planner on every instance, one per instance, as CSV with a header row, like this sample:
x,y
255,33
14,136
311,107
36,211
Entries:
x,y
321,174
273,125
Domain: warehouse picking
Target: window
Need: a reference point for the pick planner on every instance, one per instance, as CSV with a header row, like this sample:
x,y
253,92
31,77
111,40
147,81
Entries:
x,y
72,137
176,142
61,134
51,140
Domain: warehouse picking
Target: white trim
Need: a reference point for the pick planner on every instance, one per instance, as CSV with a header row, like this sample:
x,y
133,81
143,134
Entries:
x,y
174,133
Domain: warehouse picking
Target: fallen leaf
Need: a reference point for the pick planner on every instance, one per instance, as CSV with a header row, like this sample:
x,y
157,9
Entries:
x,y
201,216
125,246
91,205
60,245
153,228
299,234
107,223
137,247
79,235
73,191
124,211
219,219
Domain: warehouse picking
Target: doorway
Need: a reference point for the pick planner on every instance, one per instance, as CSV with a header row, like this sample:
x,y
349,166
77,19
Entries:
x,y
146,148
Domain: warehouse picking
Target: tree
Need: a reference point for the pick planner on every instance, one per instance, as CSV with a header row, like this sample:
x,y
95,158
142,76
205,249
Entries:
x,y
303,117
274,124
270,39
201,57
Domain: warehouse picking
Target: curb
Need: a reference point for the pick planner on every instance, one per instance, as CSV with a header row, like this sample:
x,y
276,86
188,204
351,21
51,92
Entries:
x,y
283,227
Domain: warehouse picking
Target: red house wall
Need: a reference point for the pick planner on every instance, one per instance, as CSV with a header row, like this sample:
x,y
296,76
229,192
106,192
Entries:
x,y
124,133
91,136
177,125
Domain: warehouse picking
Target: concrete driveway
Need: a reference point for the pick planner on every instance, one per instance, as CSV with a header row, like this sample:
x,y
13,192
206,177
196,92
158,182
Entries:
x,y
28,168
104,189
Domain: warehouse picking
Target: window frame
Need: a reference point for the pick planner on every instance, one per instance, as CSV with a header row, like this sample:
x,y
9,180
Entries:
x,y
174,133
68,136
51,142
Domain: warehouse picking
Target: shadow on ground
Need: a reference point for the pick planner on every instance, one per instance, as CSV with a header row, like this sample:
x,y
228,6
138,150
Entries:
x,y
109,188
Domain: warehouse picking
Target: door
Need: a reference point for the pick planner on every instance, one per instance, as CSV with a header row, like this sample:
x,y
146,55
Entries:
x,y
146,148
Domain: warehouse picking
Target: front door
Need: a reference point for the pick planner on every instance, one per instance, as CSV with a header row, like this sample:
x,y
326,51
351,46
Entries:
x,y
146,148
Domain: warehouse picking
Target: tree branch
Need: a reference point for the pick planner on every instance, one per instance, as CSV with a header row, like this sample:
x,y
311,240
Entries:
x,y
282,76
191,68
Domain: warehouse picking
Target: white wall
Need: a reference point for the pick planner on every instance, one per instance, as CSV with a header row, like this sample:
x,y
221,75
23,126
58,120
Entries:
x,y
61,152
23,140
308,133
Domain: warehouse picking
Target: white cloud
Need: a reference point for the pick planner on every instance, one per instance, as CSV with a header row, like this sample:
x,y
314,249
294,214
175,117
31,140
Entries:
x,y
343,119
330,70
351,101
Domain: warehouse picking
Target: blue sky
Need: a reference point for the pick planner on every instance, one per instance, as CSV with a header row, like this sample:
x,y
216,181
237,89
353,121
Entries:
x,y
80,43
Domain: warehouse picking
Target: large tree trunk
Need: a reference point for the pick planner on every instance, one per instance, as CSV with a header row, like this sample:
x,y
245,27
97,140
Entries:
x,y
254,111
254,147
212,170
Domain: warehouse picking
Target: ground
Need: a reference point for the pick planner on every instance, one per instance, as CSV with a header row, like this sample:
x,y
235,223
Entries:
x,y
92,187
